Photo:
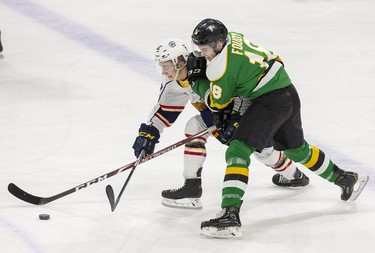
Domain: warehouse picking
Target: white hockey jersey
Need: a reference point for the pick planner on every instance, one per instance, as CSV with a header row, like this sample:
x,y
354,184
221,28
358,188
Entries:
x,y
173,97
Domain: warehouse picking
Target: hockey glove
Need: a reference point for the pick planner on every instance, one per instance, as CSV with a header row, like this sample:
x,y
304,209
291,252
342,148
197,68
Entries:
x,y
226,136
221,118
148,137
196,68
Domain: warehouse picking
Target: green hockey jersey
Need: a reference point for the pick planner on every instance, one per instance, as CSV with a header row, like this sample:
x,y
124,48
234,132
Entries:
x,y
241,69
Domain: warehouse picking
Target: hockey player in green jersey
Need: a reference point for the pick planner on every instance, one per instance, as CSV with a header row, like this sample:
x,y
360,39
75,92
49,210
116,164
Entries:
x,y
237,67
175,92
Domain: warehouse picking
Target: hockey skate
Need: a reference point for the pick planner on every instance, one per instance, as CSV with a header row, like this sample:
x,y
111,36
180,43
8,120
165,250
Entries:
x,y
351,184
187,196
226,225
300,179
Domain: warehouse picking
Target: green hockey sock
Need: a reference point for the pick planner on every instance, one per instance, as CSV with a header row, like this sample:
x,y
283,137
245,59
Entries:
x,y
237,173
315,160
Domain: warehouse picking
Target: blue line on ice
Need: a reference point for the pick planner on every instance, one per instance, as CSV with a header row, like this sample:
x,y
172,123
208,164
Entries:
x,y
84,36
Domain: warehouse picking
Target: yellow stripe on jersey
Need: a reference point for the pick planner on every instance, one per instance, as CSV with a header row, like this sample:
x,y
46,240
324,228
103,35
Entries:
x,y
214,105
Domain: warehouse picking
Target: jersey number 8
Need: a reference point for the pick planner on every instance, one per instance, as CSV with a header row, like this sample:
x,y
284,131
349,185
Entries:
x,y
216,90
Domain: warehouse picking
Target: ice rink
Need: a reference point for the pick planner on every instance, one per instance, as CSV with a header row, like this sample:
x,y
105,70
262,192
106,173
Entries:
x,y
78,78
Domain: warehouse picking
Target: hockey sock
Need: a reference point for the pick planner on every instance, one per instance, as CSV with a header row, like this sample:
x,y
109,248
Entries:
x,y
277,161
194,157
285,167
315,160
237,173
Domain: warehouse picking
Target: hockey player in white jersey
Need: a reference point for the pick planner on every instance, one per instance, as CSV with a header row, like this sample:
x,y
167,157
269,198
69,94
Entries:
x,y
171,56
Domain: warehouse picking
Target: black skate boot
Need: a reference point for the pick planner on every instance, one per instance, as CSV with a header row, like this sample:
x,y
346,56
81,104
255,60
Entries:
x,y
300,179
351,184
187,196
227,224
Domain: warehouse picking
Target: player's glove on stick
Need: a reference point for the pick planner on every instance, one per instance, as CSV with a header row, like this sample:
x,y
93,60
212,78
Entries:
x,y
196,68
226,136
148,137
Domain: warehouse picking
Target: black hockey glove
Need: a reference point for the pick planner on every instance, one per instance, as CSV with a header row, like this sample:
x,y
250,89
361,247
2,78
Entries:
x,y
226,136
221,118
148,137
196,68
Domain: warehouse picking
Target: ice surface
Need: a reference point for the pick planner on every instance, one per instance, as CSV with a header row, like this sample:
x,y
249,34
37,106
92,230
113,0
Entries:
x,y
78,79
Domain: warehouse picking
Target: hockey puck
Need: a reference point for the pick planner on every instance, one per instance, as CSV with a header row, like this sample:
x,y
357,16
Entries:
x,y
44,216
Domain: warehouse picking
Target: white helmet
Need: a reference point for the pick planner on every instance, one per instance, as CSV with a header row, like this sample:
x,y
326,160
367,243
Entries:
x,y
170,50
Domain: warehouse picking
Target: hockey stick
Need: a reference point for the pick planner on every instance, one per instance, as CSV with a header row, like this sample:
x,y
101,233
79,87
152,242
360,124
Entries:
x,y
36,200
109,189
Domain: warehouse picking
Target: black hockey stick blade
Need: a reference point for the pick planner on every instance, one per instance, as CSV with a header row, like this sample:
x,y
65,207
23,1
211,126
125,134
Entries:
x,y
111,197
21,194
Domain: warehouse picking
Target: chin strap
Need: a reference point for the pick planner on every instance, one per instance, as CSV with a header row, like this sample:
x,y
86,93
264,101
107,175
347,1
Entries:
x,y
178,71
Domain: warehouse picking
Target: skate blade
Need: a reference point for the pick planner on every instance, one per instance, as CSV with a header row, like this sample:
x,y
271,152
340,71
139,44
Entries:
x,y
222,233
358,187
186,203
